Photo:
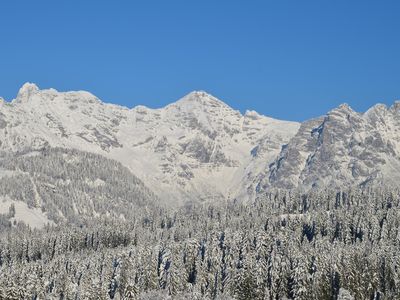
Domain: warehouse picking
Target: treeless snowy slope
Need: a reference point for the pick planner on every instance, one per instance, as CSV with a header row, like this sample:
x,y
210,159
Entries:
x,y
34,217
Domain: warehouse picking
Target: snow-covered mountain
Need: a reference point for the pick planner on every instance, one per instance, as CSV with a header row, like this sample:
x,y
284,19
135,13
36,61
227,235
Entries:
x,y
342,149
197,148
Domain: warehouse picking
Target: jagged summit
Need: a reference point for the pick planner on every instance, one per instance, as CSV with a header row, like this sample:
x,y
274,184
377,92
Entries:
x,y
28,87
344,148
199,95
344,107
30,93
396,106
26,91
199,99
378,108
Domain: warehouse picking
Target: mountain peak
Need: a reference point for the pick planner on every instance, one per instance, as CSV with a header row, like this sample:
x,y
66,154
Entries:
x,y
343,108
377,108
28,87
199,99
27,90
200,96
396,106
200,93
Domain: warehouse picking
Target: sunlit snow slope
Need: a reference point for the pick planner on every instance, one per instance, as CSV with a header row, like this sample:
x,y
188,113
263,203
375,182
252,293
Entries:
x,y
197,148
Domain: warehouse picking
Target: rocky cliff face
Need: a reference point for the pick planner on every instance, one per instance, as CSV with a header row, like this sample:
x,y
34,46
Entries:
x,y
344,148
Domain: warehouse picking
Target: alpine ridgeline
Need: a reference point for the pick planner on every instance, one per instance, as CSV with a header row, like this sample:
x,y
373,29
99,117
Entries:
x,y
200,149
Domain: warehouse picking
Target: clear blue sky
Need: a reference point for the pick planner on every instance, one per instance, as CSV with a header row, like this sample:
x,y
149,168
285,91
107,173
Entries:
x,y
287,59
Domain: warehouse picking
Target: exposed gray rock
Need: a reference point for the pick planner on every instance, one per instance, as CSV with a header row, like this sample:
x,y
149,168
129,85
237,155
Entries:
x,y
344,148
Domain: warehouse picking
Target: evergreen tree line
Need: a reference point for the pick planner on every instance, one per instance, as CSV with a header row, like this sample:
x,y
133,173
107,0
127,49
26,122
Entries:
x,y
68,184
286,245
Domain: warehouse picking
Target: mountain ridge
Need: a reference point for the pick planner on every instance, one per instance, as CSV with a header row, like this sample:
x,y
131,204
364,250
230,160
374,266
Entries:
x,y
344,148
190,149
200,149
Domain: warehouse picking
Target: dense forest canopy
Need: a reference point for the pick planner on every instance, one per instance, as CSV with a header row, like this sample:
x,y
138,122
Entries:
x,y
286,245
68,184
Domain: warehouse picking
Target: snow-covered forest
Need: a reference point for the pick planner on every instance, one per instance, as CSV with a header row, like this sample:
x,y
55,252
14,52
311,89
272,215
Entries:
x,y
68,184
323,245
199,150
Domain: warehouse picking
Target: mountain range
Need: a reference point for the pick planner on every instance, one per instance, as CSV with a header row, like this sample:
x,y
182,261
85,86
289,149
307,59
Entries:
x,y
200,149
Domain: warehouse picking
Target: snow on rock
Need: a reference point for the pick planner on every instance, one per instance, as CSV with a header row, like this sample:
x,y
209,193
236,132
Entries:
x,y
344,148
26,91
200,149
197,148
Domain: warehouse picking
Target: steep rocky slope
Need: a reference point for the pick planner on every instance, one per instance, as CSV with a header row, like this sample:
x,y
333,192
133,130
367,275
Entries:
x,y
342,149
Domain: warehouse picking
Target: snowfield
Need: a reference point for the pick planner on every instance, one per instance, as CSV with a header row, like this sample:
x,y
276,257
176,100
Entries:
x,y
31,216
